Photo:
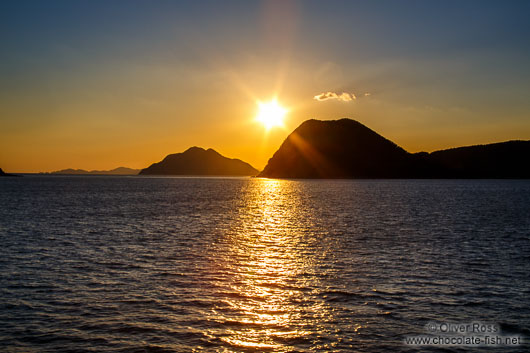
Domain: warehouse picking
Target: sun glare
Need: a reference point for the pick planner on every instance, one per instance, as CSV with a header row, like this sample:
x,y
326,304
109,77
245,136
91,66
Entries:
x,y
271,114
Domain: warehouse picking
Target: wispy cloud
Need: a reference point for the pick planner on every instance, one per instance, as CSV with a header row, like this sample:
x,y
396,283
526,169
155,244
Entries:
x,y
343,97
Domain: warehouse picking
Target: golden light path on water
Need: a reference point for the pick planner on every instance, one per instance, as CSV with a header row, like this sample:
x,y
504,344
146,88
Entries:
x,y
270,273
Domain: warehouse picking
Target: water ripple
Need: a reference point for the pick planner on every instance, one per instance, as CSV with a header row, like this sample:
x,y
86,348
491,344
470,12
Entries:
x,y
256,265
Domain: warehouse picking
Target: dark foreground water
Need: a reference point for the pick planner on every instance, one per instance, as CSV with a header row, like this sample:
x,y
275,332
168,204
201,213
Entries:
x,y
131,264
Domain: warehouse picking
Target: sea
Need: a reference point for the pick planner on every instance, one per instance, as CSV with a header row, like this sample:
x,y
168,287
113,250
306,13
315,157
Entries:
x,y
189,264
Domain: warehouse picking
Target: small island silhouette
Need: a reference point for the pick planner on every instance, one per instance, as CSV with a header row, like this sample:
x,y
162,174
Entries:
x,y
2,173
198,161
347,149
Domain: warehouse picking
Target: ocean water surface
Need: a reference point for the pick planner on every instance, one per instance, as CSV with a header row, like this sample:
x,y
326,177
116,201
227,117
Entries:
x,y
140,264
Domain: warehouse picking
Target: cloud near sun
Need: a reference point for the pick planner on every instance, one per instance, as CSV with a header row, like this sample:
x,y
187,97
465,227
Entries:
x,y
344,96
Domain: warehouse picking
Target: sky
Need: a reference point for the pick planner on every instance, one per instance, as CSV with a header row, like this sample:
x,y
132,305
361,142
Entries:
x,y
102,84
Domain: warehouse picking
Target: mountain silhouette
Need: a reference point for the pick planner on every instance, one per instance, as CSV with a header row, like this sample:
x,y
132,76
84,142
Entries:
x,y
347,149
198,161
115,171
337,149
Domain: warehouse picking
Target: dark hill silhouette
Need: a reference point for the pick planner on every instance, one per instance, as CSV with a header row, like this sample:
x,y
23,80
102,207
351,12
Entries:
x,y
347,149
115,171
337,149
198,161
509,159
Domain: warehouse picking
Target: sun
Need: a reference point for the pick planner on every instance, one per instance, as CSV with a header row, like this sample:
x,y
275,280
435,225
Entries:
x,y
270,114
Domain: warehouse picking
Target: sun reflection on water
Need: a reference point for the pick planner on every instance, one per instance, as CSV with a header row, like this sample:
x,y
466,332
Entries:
x,y
265,292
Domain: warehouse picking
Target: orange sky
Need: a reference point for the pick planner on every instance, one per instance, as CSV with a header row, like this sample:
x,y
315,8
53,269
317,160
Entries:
x,y
154,80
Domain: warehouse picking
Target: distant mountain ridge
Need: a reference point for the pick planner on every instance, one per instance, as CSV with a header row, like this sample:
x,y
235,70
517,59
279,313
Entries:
x,y
347,149
198,161
115,171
